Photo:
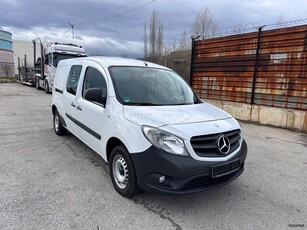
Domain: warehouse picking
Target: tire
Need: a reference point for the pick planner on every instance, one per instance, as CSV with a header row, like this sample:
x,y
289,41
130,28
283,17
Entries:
x,y
122,172
37,83
46,87
59,129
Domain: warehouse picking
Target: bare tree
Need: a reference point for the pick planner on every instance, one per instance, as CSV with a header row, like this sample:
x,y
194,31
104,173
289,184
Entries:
x,y
7,69
174,46
153,33
204,24
235,29
155,45
160,37
145,42
184,41
280,19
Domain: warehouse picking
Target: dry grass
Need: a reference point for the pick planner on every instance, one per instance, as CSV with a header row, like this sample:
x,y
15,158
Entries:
x,y
8,80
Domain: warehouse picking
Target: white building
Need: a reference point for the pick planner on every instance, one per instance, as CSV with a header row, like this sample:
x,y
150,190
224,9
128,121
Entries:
x,y
6,53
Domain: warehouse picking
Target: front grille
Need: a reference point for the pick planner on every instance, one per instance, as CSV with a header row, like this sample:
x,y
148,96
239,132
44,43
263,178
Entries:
x,y
207,146
208,181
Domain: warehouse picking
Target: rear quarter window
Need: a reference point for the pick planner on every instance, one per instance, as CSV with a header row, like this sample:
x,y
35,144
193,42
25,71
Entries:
x,y
73,79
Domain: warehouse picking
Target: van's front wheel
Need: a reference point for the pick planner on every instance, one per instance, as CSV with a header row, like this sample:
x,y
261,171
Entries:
x,y
122,172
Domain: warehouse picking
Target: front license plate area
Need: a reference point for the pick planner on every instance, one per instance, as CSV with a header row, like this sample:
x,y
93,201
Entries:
x,y
224,169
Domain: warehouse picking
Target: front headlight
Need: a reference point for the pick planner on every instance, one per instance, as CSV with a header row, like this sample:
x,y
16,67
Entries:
x,y
164,140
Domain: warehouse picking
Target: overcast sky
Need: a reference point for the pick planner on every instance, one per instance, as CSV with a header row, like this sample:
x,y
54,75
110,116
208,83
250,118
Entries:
x,y
112,27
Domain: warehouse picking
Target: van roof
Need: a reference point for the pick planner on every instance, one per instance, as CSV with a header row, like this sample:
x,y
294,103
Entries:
x,y
115,61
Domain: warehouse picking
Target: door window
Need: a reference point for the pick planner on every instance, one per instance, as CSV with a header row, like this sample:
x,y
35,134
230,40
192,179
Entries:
x,y
73,79
48,59
94,79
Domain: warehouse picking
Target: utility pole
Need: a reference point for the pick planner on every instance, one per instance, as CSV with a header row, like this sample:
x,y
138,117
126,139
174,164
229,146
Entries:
x,y
72,30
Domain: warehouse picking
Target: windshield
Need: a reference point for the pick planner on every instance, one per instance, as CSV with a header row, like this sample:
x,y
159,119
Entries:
x,y
150,86
59,57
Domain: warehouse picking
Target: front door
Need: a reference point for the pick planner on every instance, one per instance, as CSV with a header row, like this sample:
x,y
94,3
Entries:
x,y
92,115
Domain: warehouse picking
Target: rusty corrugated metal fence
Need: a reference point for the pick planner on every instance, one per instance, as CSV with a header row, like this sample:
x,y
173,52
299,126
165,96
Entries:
x,y
264,68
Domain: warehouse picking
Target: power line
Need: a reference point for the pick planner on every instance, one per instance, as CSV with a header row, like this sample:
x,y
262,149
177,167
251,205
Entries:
x,y
127,11
123,7
124,12
133,52
66,32
130,4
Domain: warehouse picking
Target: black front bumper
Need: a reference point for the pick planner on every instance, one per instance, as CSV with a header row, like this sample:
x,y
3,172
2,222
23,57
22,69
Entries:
x,y
183,175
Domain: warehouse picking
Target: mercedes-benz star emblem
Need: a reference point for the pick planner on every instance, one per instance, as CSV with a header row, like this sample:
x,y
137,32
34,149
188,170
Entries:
x,y
223,144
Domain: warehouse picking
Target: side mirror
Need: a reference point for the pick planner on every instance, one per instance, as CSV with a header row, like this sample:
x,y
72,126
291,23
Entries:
x,y
94,95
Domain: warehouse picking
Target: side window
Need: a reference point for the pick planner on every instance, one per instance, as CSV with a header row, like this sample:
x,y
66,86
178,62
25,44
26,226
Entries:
x,y
50,59
46,60
73,79
94,79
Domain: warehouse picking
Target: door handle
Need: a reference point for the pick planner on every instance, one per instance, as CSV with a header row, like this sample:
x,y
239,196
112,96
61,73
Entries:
x,y
79,108
73,105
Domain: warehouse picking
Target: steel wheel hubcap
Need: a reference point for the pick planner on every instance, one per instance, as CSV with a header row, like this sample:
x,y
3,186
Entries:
x,y
56,122
120,172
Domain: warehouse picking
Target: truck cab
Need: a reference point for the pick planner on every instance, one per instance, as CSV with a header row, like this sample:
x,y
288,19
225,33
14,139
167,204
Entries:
x,y
55,49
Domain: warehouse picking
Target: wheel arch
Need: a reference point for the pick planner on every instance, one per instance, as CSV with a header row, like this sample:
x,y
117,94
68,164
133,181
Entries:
x,y
111,144
54,108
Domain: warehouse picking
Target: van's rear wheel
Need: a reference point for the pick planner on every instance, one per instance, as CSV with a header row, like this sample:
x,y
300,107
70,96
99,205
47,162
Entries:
x,y
59,129
122,172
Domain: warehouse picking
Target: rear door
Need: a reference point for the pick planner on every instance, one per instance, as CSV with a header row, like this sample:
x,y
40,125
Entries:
x,y
70,100
92,115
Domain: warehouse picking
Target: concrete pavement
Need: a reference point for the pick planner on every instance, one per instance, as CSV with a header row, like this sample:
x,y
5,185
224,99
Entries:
x,y
52,182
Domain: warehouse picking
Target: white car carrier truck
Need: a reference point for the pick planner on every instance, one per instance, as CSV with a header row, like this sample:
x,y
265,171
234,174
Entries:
x,y
53,49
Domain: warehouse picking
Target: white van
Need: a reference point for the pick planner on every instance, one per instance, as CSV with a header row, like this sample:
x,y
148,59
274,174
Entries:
x,y
148,124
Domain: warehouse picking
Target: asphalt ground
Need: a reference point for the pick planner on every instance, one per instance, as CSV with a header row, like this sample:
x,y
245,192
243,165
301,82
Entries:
x,y
52,182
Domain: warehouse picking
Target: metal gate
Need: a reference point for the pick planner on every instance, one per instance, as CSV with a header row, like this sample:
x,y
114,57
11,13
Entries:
x,y
264,68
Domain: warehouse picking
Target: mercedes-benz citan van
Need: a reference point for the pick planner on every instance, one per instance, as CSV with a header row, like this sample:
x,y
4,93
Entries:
x,y
148,124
